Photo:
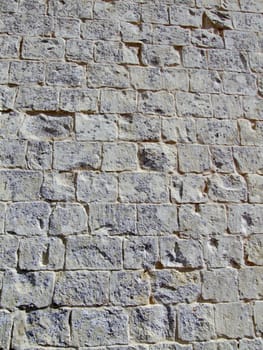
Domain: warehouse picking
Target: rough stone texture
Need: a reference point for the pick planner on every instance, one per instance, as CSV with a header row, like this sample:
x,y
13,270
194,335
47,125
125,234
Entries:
x,y
131,175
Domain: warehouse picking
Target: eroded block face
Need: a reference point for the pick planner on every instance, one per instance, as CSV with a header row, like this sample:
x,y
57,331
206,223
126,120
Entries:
x,y
131,174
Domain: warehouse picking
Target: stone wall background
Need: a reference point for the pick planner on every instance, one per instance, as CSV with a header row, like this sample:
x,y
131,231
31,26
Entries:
x,y
131,175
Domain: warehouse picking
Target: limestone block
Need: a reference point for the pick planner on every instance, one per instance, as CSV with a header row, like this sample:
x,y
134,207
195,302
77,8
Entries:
x,y
10,123
194,158
171,35
255,188
227,188
258,308
253,249
8,252
245,219
108,75
194,57
58,186
67,28
160,55
5,328
12,153
79,50
80,8
206,39
43,48
118,101
205,81
189,188
186,17
213,131
39,155
156,102
251,283
128,11
26,73
79,100
193,105
96,127
157,157
106,29
155,13
66,74
36,98
245,162
222,159
7,96
179,130
239,83
119,156
226,106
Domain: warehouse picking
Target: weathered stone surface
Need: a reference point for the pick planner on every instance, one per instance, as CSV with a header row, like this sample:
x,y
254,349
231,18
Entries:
x,y
246,163
143,187
215,285
223,251
227,134
194,158
202,220
258,307
8,252
19,185
35,98
118,101
79,50
156,219
137,127
255,188
58,186
45,127
182,253
6,328
222,159
189,188
9,46
81,288
96,187
158,157
26,219
48,327
172,287
129,288
248,344
119,156
41,253
73,155
12,153
68,219
205,81
193,105
96,127
26,72
160,55
245,219
253,249
10,123
43,49
156,102
93,253
179,130
109,75
7,96
39,155
67,28
31,289
226,106
94,327
251,283
171,35
140,252
227,188
113,219
79,100
234,320
196,322
64,74
151,323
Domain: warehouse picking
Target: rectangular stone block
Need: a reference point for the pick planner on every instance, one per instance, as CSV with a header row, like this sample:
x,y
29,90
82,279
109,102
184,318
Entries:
x,y
96,187
215,284
202,220
129,288
93,253
184,253
173,287
258,308
196,322
193,105
194,158
239,83
227,106
204,38
9,6
155,13
28,218
223,251
246,163
115,52
158,157
253,249
43,48
79,50
175,79
251,133
186,17
34,6
118,101
106,75
253,108
39,155
26,73
143,187
113,326
161,103
19,185
171,35
36,98
66,74
74,155
101,30
138,127
7,96
194,57
2,217
101,127
6,323
79,100
160,55
81,288
140,252
228,60
49,327
220,132
46,127
144,78
250,344
234,320
179,130
205,81
8,252
128,11
250,281
136,32
80,8
67,219
189,188
67,28
58,186
239,40
119,156
113,219
13,153
31,289
4,69
256,61
151,324
156,219
227,188
41,253
255,188
10,122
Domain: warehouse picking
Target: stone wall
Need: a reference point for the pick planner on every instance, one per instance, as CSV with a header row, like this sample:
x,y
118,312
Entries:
x,y
131,189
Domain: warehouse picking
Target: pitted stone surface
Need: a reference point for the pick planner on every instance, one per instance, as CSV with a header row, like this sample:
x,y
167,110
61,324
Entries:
x,y
131,174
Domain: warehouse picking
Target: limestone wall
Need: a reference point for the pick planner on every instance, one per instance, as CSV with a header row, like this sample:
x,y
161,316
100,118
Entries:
x,y
131,161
